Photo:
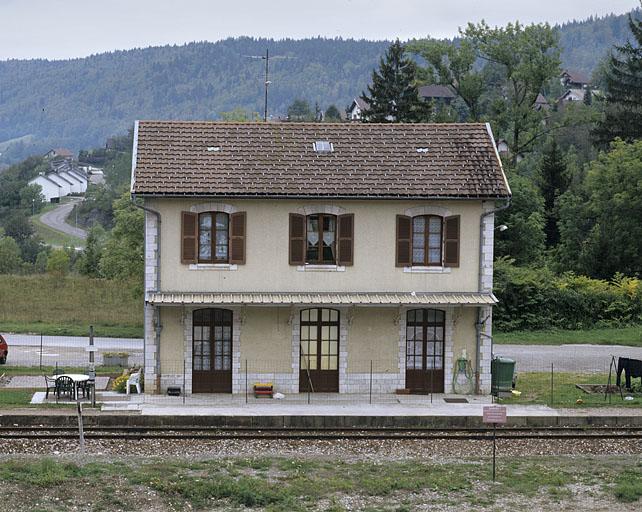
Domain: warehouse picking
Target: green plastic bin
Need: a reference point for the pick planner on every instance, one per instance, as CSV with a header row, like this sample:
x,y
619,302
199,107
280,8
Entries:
x,y
502,370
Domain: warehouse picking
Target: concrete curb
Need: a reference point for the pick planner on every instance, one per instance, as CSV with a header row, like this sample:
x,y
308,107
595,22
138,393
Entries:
x,y
106,420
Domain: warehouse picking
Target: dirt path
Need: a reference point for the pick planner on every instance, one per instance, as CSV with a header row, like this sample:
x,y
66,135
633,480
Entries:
x,y
56,219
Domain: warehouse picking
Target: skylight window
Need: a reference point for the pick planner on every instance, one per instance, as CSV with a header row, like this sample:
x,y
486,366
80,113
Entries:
x,y
323,146
214,149
422,150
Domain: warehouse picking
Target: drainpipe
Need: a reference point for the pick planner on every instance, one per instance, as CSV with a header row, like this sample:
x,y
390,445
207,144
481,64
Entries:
x,y
157,287
481,321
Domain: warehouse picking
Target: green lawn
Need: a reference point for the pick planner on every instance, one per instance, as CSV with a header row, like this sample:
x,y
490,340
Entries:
x,y
298,485
536,389
68,306
631,336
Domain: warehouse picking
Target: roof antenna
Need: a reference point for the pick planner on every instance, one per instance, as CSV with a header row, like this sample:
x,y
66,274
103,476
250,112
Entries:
x,y
266,58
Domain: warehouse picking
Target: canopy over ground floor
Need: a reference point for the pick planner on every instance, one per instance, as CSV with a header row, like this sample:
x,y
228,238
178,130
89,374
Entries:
x,y
225,347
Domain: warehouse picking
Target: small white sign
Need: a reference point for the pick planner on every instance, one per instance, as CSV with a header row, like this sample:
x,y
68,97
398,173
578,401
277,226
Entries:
x,y
495,414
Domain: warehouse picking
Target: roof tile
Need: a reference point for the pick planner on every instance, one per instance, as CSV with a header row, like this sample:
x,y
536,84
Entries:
x,y
278,160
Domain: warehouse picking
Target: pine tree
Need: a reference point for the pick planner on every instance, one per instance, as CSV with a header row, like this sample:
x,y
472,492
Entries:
x,y
623,113
393,95
553,182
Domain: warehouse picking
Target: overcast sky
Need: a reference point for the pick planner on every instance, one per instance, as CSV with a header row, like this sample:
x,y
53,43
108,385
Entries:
x,y
58,29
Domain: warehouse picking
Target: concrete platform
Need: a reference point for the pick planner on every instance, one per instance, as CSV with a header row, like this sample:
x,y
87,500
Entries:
x,y
324,410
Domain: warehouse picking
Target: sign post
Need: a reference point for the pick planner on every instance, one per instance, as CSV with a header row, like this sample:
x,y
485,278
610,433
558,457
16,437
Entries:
x,y
495,414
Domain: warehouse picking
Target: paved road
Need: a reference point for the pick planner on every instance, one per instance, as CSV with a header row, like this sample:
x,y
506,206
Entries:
x,y
566,358
55,219
24,349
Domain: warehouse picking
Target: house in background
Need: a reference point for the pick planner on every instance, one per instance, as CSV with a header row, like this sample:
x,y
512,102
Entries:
x,y
63,153
574,80
50,189
570,96
303,253
438,94
355,110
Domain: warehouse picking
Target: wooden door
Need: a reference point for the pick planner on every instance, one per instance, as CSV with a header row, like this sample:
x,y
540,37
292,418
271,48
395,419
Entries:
x,y
319,361
212,351
425,330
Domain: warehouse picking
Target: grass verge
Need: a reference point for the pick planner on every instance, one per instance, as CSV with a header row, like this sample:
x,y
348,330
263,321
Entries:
x,y
51,329
631,336
300,485
52,236
68,306
536,389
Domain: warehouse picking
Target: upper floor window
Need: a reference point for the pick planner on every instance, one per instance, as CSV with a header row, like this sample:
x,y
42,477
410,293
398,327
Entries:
x,y
427,241
321,239
213,237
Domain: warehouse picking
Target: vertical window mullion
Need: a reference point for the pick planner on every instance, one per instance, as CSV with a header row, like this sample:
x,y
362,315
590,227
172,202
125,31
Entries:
x,y
426,242
320,241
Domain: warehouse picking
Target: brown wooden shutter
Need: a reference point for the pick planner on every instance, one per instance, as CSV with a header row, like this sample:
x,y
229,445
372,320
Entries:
x,y
237,238
189,237
404,236
346,239
451,241
297,239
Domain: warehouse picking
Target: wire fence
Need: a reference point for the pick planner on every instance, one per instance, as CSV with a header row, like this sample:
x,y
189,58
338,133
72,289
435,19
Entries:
x,y
559,376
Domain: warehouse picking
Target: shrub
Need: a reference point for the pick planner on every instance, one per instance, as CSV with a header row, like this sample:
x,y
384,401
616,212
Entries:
x,y
120,383
535,298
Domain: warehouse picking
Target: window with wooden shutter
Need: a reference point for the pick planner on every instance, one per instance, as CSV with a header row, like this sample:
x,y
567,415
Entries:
x,y
189,235
403,243
451,241
237,238
346,239
297,239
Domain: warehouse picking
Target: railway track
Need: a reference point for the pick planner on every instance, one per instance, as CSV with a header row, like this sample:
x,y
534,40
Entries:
x,y
356,433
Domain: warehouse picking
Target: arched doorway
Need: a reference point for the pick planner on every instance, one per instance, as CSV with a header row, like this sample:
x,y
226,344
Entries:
x,y
212,351
319,360
425,335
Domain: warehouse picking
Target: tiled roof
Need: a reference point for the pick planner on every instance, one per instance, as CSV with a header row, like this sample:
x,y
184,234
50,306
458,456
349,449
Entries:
x,y
372,298
278,160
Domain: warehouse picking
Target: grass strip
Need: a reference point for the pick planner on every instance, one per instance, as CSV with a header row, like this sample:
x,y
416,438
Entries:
x,y
630,336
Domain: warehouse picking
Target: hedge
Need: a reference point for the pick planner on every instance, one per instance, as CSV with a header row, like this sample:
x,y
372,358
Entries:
x,y
535,298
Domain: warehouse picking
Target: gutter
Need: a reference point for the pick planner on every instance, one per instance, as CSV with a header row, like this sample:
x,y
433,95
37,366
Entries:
x,y
481,321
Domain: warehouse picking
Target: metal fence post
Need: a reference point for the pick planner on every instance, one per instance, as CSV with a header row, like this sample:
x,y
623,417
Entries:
x,y
246,381
184,392
552,384
371,381
41,351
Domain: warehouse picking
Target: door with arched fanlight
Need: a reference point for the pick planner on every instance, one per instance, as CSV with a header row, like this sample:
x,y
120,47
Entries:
x,y
212,351
319,359
425,339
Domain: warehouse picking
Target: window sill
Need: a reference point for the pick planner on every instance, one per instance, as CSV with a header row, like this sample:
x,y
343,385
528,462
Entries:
x,y
321,268
427,270
213,266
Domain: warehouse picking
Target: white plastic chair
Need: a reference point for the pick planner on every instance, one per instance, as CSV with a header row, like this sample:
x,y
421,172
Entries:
x,y
134,380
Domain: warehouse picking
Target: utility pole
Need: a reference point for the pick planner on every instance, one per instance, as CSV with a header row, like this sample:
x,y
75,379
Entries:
x,y
267,82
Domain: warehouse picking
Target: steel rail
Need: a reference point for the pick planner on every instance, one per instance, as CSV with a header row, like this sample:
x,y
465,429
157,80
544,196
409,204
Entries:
x,y
229,428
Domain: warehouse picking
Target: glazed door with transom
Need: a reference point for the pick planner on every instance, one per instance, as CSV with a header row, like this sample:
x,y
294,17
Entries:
x,y
212,351
319,363
425,333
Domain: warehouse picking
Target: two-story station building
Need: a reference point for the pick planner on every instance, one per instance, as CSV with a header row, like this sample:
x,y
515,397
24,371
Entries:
x,y
305,251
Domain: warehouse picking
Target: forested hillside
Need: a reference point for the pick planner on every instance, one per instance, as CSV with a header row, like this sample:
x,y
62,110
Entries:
x,y
78,103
